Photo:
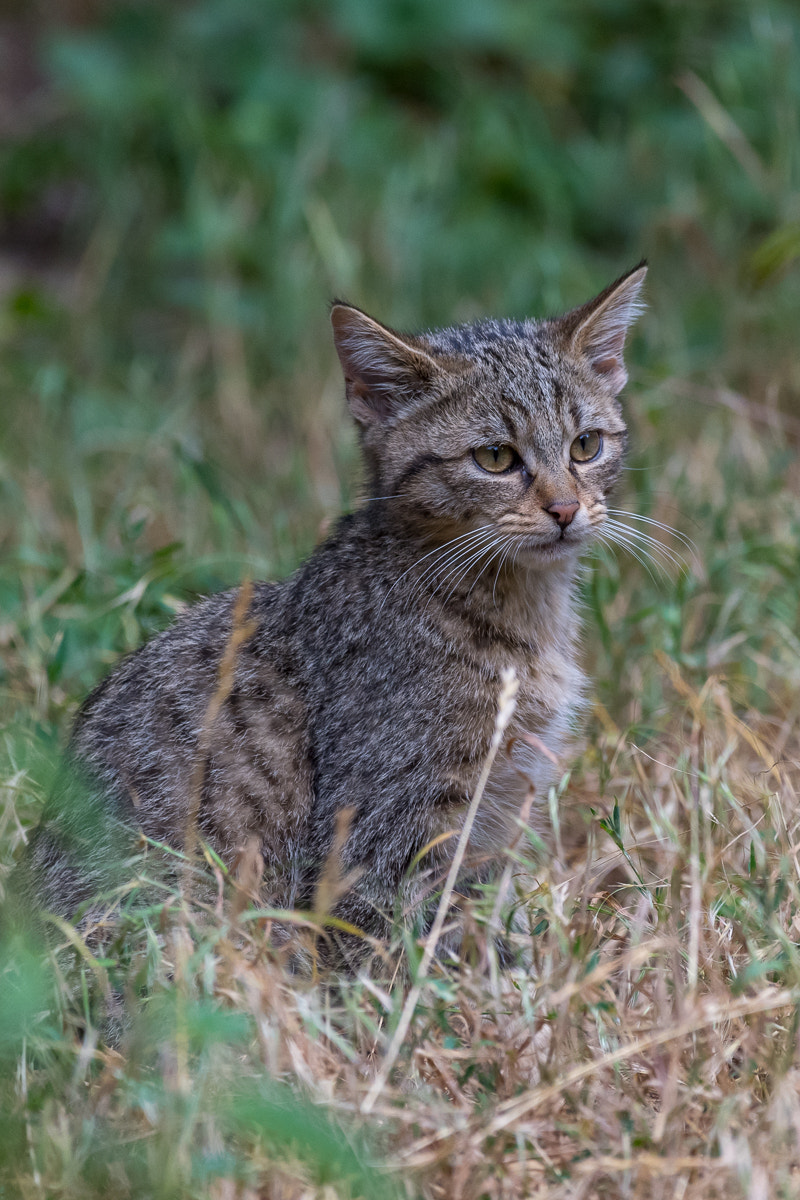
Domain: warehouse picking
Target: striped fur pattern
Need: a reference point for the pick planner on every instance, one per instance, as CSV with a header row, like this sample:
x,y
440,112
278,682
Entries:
x,y
370,678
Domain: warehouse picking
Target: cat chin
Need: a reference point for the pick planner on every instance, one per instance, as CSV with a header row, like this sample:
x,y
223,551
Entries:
x,y
550,554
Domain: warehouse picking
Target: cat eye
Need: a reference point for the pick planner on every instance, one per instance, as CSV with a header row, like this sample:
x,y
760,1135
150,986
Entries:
x,y
496,459
586,446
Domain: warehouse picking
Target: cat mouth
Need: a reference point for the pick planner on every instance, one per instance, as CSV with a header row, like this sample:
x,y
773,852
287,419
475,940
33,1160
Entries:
x,y
563,545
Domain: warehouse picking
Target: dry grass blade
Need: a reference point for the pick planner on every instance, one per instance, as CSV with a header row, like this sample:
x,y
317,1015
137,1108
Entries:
x,y
505,711
707,1013
242,629
332,884
743,406
724,126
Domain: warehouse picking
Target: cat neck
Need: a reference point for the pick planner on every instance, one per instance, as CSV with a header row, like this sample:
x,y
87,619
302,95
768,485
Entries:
x,y
475,578
521,599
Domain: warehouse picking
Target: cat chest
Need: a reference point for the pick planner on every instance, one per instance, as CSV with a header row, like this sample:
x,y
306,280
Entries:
x,y
534,755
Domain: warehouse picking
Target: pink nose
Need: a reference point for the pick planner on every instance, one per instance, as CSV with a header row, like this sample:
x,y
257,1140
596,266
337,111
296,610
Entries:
x,y
564,511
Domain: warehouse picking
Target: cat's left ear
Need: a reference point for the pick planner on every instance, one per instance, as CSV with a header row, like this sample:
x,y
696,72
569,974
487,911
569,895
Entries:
x,y
597,330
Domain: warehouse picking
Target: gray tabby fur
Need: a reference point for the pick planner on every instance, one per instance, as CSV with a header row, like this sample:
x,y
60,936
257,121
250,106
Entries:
x,y
372,675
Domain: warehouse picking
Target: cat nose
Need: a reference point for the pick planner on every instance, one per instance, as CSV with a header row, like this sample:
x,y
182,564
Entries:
x,y
564,511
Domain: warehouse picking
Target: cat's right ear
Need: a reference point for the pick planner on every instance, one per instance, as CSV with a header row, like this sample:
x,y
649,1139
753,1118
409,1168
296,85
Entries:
x,y
383,372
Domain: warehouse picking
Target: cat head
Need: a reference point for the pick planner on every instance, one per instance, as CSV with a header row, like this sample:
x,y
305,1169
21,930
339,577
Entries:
x,y
512,425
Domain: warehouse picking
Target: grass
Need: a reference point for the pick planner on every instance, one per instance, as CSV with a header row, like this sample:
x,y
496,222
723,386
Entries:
x,y
181,190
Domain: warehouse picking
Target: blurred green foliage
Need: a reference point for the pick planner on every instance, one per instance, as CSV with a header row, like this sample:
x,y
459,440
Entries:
x,y
237,161
183,186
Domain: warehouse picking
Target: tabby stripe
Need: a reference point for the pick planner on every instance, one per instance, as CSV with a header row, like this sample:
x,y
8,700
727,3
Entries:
x,y
419,464
519,405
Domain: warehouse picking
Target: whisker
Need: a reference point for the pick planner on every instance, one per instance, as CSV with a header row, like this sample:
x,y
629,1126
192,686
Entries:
x,y
666,565
672,556
634,554
453,559
462,561
498,548
611,538
463,568
645,545
487,551
687,541
687,515
645,539
458,560
642,536
462,537
508,545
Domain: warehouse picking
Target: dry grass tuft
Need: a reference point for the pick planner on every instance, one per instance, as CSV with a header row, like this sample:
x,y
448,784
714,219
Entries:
x,y
647,1049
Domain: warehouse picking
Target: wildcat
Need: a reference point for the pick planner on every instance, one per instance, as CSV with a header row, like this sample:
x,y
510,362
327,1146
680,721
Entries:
x,y
368,681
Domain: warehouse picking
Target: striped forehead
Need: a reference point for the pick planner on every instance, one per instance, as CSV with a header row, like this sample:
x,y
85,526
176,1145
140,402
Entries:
x,y
493,340
527,383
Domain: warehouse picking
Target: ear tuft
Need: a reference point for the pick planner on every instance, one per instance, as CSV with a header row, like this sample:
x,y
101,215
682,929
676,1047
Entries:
x,y
383,371
598,330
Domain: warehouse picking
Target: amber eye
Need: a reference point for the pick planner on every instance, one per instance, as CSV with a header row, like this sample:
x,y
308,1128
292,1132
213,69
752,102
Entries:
x,y
586,446
496,459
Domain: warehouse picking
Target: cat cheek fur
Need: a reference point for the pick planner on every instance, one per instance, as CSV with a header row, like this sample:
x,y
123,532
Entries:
x,y
369,680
